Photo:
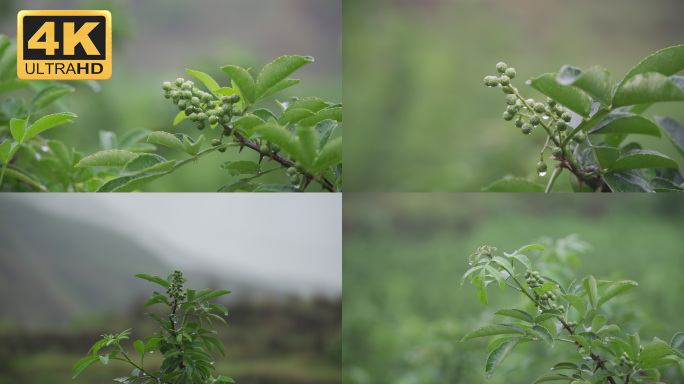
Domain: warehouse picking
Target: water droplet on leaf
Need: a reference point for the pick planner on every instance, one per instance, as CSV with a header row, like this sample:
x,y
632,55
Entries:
x,y
541,174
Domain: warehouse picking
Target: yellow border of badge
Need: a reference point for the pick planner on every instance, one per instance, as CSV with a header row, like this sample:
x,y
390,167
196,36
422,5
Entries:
x,y
106,63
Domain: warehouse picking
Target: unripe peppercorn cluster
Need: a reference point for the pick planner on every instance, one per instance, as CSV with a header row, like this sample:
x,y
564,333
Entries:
x,y
175,291
530,113
201,107
534,280
625,361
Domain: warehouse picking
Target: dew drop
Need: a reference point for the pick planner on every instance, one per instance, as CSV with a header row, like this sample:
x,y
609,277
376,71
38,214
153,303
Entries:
x,y
541,174
38,157
151,352
45,148
211,362
545,117
470,263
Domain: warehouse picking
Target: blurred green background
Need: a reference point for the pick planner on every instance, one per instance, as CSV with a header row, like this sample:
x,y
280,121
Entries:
x,y
421,117
156,40
404,255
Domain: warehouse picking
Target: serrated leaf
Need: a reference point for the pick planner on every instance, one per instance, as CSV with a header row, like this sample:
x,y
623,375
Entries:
x,y
276,188
677,340
210,83
571,97
49,95
615,289
281,136
553,377
247,122
192,147
647,88
494,329
154,279
217,293
516,313
5,150
242,79
234,185
542,333
498,355
294,115
82,364
589,284
515,184
325,130
324,114
167,139
313,104
308,141
109,158
605,156
47,122
632,180
667,61
625,123
277,71
179,117
598,322
241,167
330,155
654,349
565,365
674,131
596,81
142,162
639,158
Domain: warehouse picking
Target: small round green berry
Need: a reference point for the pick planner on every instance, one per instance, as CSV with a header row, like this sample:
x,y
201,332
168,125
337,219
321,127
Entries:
x,y
291,171
501,67
513,109
195,101
234,98
186,95
181,104
264,148
579,137
511,99
539,107
189,111
567,116
508,89
526,128
178,82
294,180
551,102
508,116
559,111
541,168
561,125
187,86
224,119
216,142
222,149
193,116
213,120
236,111
504,80
167,86
275,147
211,104
530,103
557,151
528,274
167,94
519,123
200,124
510,72
535,120
201,116
490,81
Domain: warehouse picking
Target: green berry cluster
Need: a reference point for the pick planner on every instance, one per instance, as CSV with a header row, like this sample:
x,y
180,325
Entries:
x,y
625,361
572,324
533,279
175,291
529,112
199,106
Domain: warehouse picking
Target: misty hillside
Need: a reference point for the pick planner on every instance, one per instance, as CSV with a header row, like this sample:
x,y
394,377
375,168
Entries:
x,y
54,268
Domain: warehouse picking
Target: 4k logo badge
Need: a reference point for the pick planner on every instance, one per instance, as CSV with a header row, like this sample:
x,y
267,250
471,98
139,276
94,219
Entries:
x,y
64,45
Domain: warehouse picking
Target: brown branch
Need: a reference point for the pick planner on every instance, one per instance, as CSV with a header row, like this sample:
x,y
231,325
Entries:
x,y
600,363
325,183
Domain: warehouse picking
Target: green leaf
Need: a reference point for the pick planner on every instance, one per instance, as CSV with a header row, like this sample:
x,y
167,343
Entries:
x,y
153,344
5,149
553,377
191,146
277,71
139,346
145,161
494,329
596,81
667,61
330,155
516,313
547,314
480,282
325,130
654,349
241,167
589,284
598,322
308,141
292,116
515,184
616,289
542,333
234,185
216,293
18,128
167,139
638,158
677,340
633,180
154,279
605,156
130,183
110,158
224,379
569,96
313,104
50,94
211,84
243,79
635,343
47,122
498,354
647,88
281,136
624,123
674,131
82,364
565,365
247,122
179,117
333,113
497,276
530,247
505,264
